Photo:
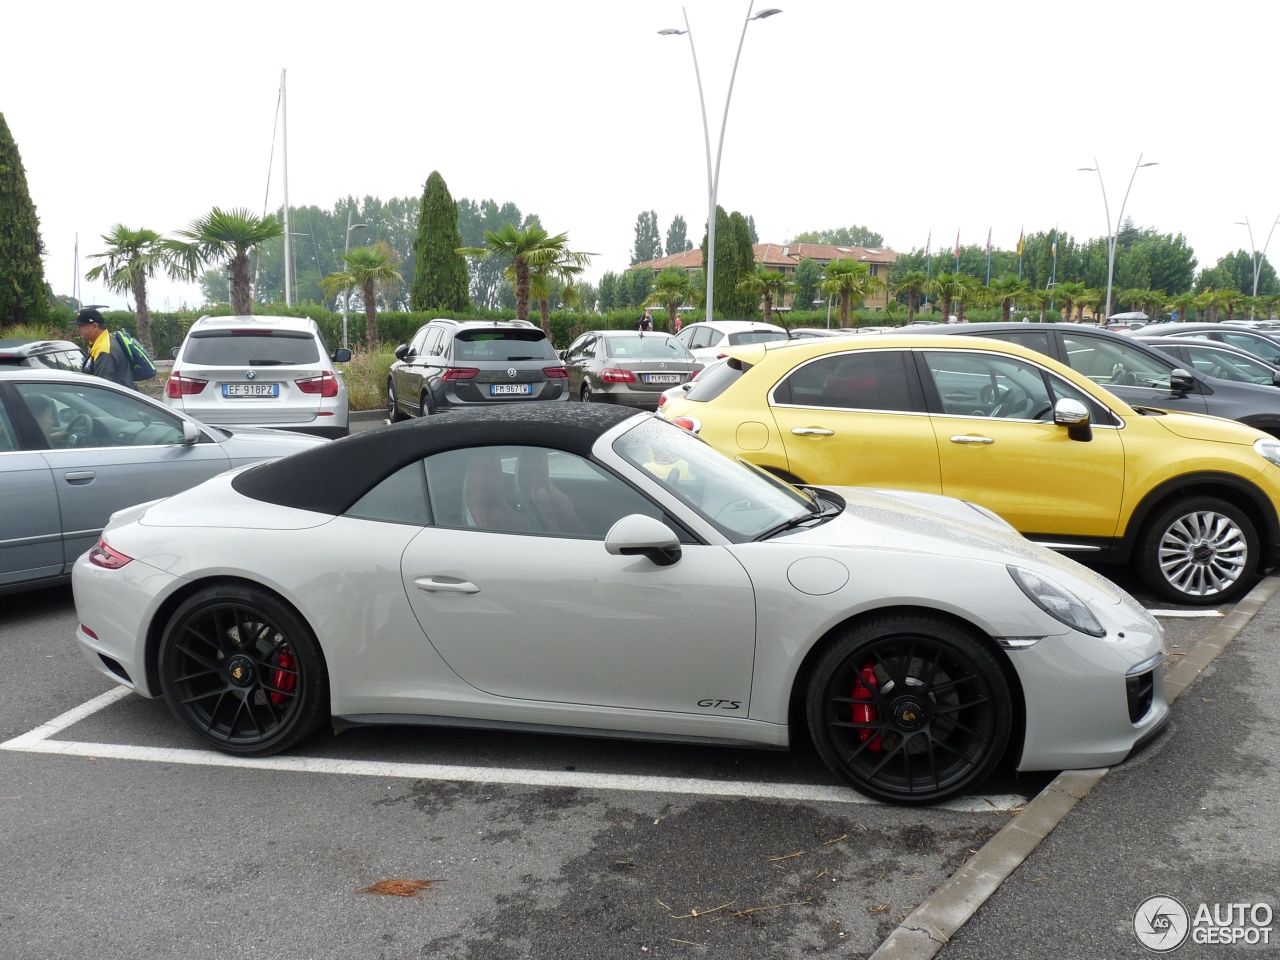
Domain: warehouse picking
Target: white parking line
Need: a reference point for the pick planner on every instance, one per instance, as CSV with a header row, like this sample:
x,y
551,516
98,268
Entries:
x,y
40,740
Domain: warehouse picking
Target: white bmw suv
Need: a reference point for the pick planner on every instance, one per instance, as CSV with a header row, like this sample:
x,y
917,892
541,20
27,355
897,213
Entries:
x,y
260,372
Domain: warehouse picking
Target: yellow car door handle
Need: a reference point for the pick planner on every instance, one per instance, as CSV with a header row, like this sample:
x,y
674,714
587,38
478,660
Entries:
x,y
433,585
812,432
971,439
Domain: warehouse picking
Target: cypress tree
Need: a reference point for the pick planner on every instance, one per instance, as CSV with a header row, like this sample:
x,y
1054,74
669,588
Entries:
x,y
24,295
439,273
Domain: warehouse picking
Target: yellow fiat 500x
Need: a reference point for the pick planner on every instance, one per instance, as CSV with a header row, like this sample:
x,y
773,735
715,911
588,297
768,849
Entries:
x,y
1190,500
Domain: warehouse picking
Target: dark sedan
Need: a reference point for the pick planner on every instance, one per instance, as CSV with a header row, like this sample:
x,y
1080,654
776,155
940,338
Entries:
x,y
1261,343
627,367
1137,373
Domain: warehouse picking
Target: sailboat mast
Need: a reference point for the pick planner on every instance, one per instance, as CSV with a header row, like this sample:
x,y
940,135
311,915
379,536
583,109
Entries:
x,y
288,224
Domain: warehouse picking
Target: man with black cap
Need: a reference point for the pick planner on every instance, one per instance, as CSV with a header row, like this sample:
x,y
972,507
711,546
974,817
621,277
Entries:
x,y
108,357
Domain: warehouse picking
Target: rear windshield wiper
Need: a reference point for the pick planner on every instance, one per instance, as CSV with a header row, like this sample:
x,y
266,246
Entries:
x,y
269,363
510,359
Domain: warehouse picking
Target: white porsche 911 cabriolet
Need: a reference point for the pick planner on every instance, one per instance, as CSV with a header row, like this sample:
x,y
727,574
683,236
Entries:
x,y
589,570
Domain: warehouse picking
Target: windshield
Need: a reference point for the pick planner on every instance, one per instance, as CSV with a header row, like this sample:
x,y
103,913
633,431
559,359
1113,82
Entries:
x,y
740,501
502,345
652,347
756,336
250,348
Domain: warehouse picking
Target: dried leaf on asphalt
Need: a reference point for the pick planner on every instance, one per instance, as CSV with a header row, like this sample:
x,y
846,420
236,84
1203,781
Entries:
x,y
789,856
883,908
836,840
400,888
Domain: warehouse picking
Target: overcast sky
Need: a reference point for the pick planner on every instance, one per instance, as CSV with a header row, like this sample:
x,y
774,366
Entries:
x,y
905,117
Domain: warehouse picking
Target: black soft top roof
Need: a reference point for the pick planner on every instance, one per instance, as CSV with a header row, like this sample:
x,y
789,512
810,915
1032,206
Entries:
x,y
330,478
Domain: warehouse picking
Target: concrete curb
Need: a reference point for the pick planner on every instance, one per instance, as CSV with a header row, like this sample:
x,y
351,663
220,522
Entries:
x,y
366,416
932,924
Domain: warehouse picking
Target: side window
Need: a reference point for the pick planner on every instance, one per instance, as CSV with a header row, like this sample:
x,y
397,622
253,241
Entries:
x,y
400,498
417,346
685,336
1225,365
589,348
74,415
701,336
714,337
49,360
1258,346
1038,341
575,350
868,380
1066,391
435,342
986,385
8,436
1114,364
533,490
72,360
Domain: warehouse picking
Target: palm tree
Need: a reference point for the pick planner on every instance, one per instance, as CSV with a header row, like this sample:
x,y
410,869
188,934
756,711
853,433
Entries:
x,y
1039,299
1207,305
1131,298
768,285
531,250
850,280
366,268
911,285
1269,303
1153,303
1069,293
132,258
1005,291
950,289
1228,300
671,288
1184,303
224,235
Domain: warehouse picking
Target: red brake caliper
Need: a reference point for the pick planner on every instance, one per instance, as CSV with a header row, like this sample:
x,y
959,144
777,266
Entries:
x,y
286,681
865,714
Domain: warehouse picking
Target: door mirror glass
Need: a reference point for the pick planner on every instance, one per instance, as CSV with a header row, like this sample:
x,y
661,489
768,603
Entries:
x,y
1180,381
342,355
639,536
402,351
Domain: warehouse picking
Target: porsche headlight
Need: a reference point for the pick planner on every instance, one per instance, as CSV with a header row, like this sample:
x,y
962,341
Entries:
x,y
1057,601
1268,448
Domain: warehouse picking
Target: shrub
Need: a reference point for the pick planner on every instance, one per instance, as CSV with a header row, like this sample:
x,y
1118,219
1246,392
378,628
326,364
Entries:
x,y
366,378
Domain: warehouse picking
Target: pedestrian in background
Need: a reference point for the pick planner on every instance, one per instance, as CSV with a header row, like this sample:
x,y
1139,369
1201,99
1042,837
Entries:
x,y
108,356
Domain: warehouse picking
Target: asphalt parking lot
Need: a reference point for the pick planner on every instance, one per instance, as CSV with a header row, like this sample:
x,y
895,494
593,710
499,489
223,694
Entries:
x,y
528,845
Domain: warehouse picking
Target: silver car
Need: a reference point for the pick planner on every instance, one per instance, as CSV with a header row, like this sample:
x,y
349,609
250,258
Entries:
x,y
75,449
626,366
262,372
592,570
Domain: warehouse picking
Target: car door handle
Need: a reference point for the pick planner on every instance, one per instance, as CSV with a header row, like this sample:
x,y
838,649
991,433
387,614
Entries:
x,y
812,432
434,585
966,439
79,476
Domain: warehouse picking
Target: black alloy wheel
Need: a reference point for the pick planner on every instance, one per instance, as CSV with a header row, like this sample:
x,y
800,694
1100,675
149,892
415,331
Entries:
x,y
425,407
909,709
393,405
242,670
585,394
1199,550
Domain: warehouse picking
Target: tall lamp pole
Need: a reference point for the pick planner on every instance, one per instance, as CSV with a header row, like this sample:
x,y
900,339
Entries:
x,y
713,179
1111,234
346,248
1254,254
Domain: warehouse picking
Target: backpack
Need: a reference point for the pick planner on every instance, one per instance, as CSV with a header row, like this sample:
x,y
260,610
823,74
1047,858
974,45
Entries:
x,y
144,367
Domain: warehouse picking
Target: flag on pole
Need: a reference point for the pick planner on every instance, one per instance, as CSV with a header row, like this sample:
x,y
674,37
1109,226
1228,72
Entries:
x,y
988,242
957,246
928,241
1020,236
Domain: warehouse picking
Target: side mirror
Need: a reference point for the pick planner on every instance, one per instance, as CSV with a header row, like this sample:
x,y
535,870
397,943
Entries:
x,y
173,353
1073,415
1181,382
637,535
1275,379
341,355
402,351
190,433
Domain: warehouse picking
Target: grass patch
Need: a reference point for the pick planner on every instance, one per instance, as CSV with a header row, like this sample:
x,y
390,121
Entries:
x,y
366,379
32,331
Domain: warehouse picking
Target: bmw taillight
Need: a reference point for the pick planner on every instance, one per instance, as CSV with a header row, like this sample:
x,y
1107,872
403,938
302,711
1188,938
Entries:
x,y
326,385
556,373
180,386
104,556
615,375
459,373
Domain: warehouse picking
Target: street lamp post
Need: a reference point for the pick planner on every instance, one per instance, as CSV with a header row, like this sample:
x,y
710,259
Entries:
x,y
1111,235
1255,256
346,248
713,180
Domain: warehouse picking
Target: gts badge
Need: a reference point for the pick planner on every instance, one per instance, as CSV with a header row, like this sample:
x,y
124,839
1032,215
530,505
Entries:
x,y
721,704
